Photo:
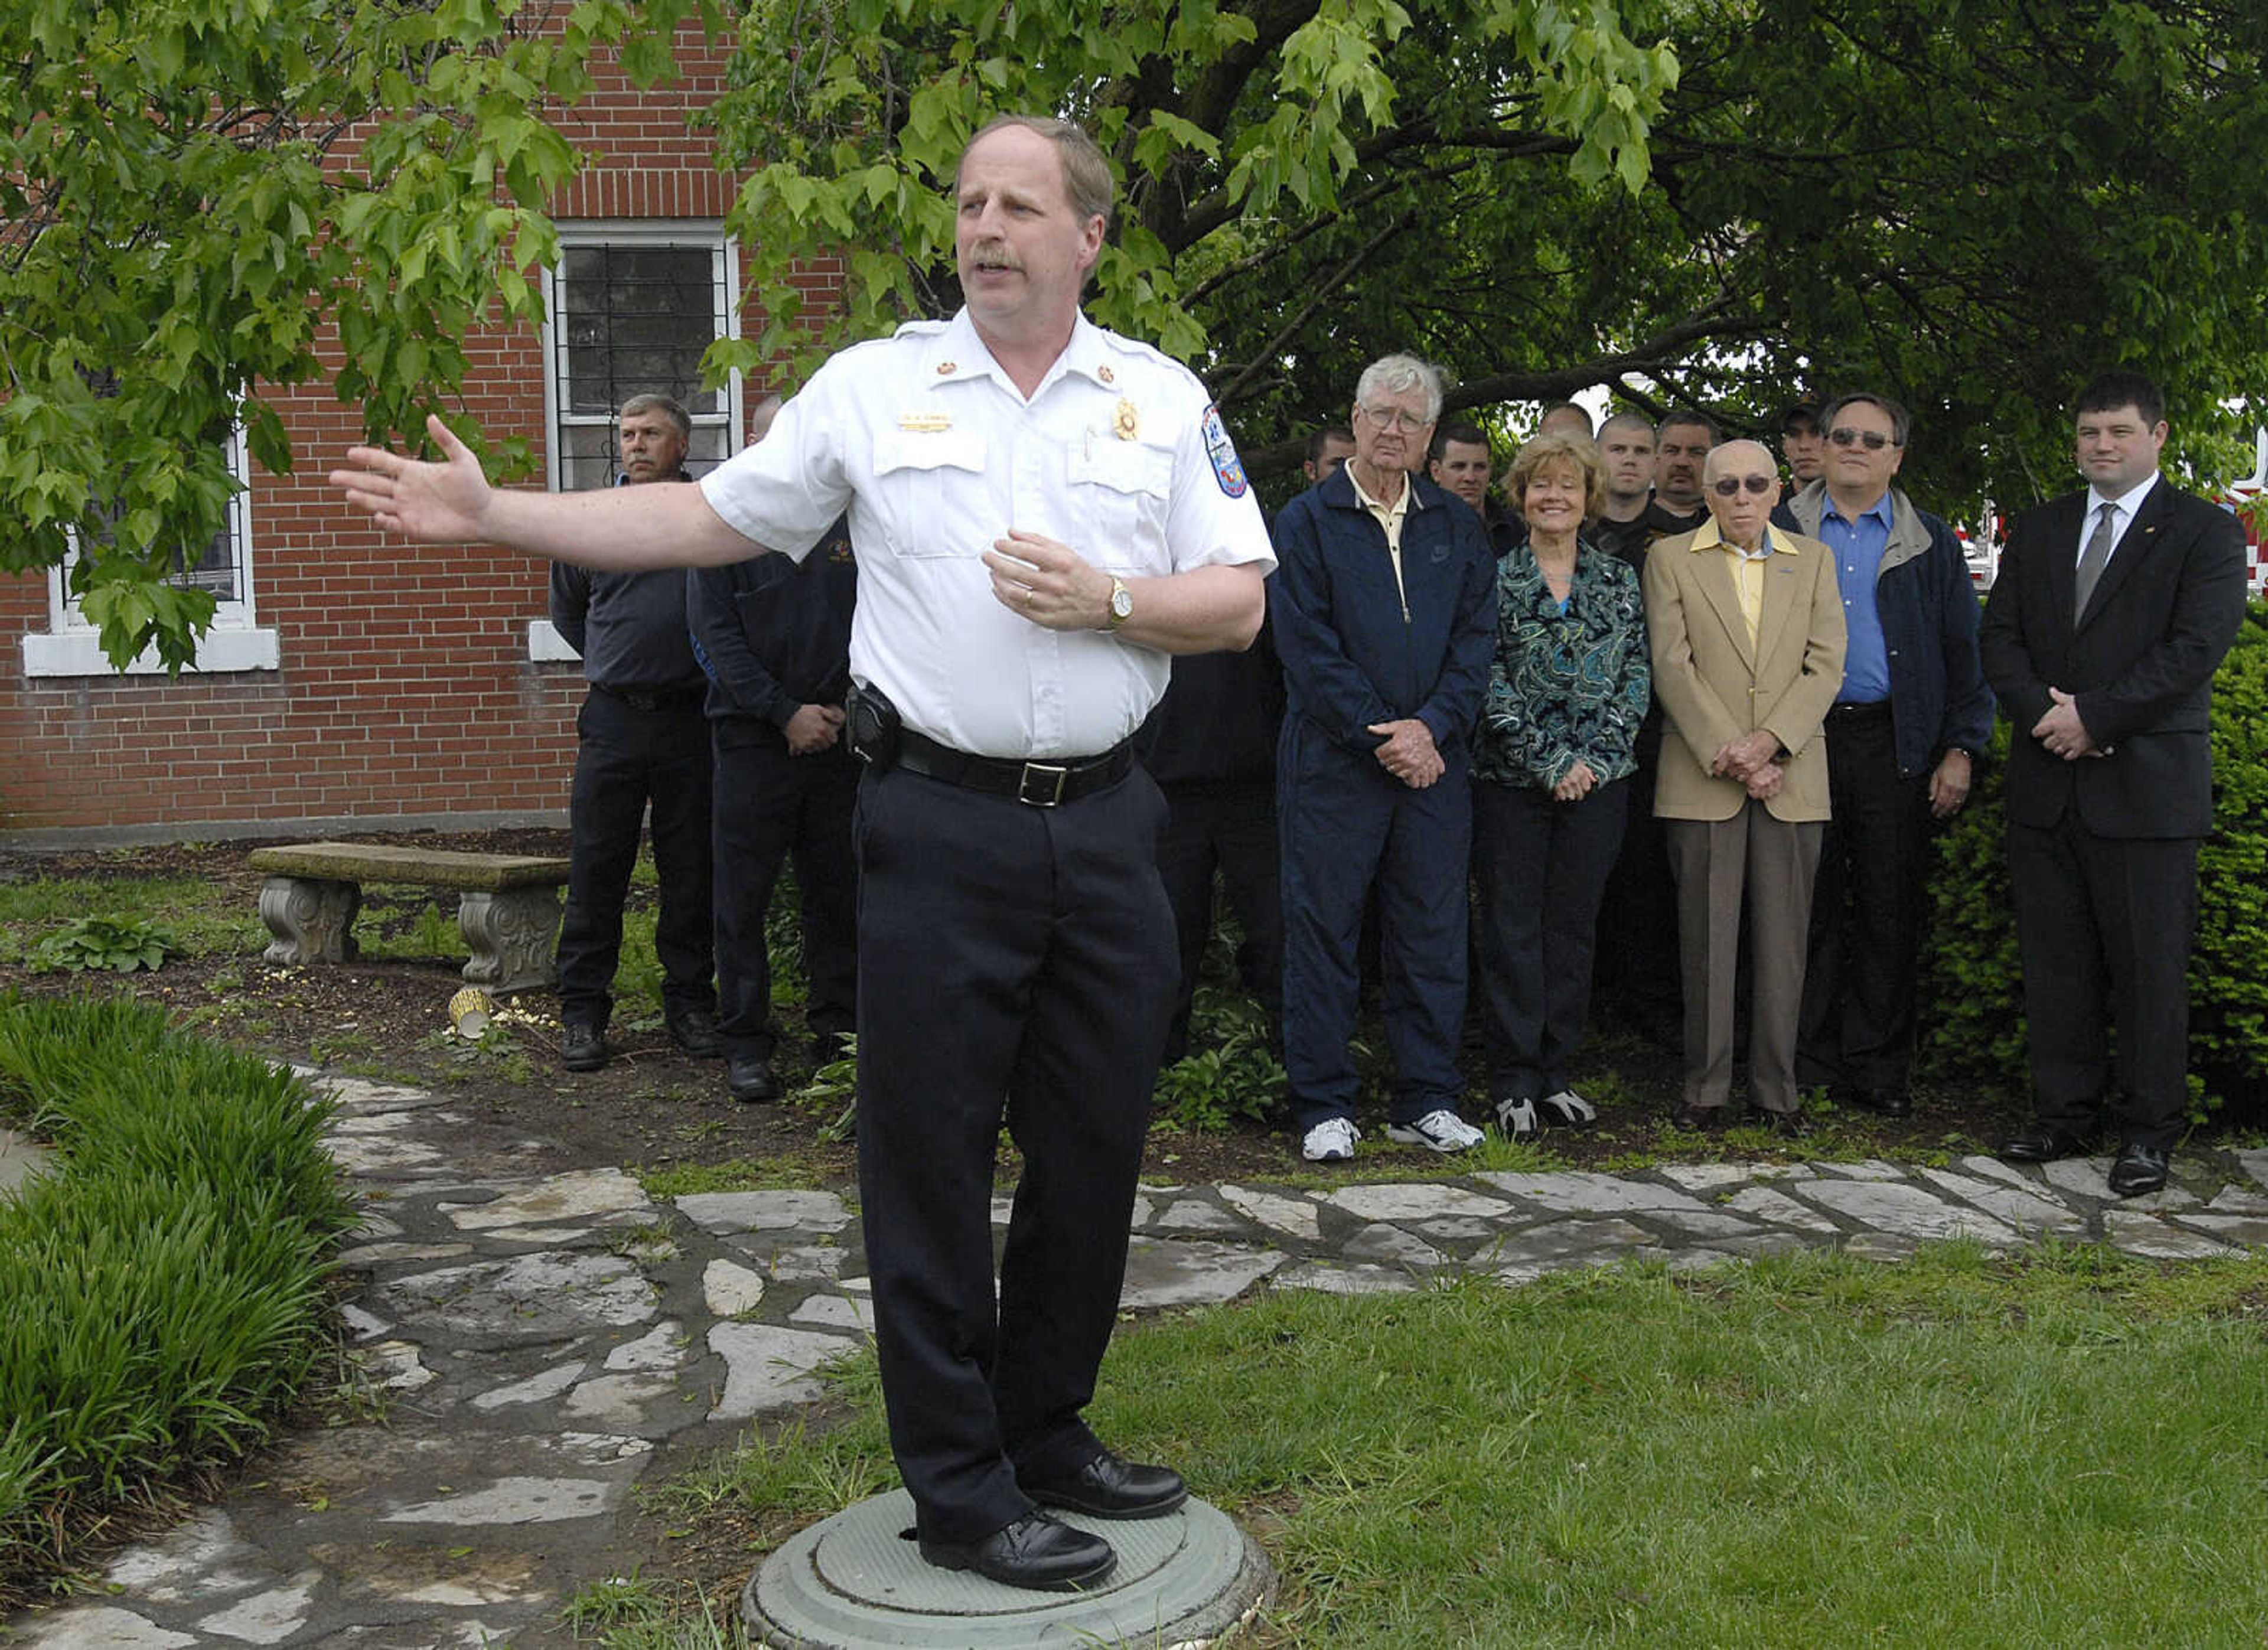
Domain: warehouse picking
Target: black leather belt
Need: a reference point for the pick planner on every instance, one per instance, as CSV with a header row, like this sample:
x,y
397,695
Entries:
x,y
1859,709
1035,784
653,698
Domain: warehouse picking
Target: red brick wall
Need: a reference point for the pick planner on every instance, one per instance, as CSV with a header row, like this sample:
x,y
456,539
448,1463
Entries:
x,y
405,688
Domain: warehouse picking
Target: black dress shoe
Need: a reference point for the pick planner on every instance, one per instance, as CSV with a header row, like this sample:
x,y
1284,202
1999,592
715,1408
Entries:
x,y
582,1048
694,1031
2041,1143
1883,1102
1108,1487
1036,1551
2140,1168
1689,1115
1787,1125
748,1077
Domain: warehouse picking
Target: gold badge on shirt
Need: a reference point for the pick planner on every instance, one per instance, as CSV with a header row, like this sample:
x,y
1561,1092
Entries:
x,y
1125,423
924,423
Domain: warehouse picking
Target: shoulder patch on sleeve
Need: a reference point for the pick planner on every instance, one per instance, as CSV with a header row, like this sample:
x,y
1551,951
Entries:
x,y
1227,468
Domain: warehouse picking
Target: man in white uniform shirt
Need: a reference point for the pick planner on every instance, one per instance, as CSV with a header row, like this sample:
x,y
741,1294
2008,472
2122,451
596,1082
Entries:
x,y
1042,512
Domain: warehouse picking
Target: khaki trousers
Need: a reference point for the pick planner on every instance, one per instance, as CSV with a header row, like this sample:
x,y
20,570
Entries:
x,y
1770,864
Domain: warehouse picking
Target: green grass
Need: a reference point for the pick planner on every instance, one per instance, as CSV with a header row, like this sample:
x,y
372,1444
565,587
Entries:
x,y
188,907
163,1286
2063,1448
786,1171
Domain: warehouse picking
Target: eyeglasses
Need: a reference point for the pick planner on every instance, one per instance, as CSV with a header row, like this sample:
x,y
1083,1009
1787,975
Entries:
x,y
1394,418
1730,486
1873,440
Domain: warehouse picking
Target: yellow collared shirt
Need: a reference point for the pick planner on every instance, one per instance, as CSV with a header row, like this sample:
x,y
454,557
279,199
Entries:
x,y
1390,517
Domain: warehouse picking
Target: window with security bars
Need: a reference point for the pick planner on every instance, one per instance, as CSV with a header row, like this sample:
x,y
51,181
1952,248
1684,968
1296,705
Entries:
x,y
631,312
221,566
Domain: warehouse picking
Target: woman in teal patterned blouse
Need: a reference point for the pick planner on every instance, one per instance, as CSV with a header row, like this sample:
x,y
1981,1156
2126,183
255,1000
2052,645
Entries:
x,y
1566,693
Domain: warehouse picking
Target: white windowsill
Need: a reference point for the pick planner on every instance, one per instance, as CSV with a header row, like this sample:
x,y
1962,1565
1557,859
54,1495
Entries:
x,y
79,654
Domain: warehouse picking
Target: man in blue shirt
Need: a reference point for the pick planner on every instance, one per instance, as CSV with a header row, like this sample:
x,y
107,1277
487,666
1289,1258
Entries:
x,y
1901,740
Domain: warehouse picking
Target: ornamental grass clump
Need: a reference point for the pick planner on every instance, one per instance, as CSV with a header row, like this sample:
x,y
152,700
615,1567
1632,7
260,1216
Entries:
x,y
163,1285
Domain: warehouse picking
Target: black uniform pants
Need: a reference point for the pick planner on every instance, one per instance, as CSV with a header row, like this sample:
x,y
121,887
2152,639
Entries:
x,y
771,803
627,758
1865,947
1013,962
1231,826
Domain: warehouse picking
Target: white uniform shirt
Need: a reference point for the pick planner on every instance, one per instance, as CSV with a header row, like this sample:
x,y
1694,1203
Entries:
x,y
936,454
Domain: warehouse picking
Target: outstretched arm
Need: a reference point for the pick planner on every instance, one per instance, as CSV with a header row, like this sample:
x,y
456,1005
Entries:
x,y
626,528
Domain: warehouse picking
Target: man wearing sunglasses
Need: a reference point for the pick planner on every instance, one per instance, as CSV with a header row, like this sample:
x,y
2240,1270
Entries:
x,y
1912,713
1746,625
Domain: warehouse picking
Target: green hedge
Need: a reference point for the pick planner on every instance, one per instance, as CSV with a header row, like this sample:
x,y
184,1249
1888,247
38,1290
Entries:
x,y
162,1287
1972,1016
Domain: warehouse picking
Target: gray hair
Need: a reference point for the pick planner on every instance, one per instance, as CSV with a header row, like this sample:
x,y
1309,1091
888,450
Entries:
x,y
668,406
1398,375
1087,183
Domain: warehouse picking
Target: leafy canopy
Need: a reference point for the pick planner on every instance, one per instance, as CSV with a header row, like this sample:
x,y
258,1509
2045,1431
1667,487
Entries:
x,y
190,190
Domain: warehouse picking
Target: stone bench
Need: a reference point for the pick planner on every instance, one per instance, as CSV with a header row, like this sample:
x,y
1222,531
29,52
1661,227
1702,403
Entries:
x,y
508,912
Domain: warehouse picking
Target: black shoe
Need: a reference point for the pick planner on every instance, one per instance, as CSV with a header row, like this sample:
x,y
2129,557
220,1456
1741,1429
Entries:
x,y
1108,1487
2041,1143
1786,1125
694,1031
1883,1102
1036,1551
1689,1115
582,1048
748,1076
2140,1168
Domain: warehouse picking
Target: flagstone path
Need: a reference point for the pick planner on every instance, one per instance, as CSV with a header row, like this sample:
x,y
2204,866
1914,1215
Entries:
x,y
542,1340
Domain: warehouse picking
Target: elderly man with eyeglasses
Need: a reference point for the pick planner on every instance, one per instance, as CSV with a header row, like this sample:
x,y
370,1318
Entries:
x,y
1384,614
1912,714
1745,623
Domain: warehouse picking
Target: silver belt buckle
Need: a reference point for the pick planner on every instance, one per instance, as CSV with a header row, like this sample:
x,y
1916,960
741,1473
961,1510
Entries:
x,y
1051,776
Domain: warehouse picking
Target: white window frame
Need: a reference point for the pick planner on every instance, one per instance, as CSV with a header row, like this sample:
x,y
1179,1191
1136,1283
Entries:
x,y
544,642
71,646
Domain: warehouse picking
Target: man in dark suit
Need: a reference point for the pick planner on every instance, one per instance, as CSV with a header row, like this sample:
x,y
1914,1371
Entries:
x,y
2113,609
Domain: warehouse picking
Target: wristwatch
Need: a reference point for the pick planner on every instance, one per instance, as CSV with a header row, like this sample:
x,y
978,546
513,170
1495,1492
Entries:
x,y
1121,604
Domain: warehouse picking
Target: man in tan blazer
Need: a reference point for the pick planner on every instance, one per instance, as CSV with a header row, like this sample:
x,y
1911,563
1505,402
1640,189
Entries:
x,y
1746,625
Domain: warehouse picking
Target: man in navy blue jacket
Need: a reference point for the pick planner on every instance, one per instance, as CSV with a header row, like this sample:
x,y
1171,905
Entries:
x,y
1902,741
1384,614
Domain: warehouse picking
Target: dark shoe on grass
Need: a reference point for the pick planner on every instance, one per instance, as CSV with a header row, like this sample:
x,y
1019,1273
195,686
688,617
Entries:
x,y
748,1078
582,1048
694,1031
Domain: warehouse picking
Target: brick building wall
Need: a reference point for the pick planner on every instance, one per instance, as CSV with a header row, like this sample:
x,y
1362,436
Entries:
x,y
404,691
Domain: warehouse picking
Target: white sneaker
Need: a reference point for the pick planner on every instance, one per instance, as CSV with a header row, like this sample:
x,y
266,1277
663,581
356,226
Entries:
x,y
1330,1141
1569,1109
1441,1131
1516,1116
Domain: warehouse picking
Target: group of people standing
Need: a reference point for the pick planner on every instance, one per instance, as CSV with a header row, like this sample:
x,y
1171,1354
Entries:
x,y
1043,513
1670,700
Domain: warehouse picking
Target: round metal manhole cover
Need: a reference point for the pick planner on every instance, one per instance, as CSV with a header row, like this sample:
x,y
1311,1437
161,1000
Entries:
x,y
857,1580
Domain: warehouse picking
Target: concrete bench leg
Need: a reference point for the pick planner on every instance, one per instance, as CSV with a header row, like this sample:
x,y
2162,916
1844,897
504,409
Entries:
x,y
312,919
512,936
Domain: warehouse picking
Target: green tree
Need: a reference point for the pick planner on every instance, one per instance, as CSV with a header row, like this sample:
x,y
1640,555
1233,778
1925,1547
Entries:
x,y
1968,204
192,190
